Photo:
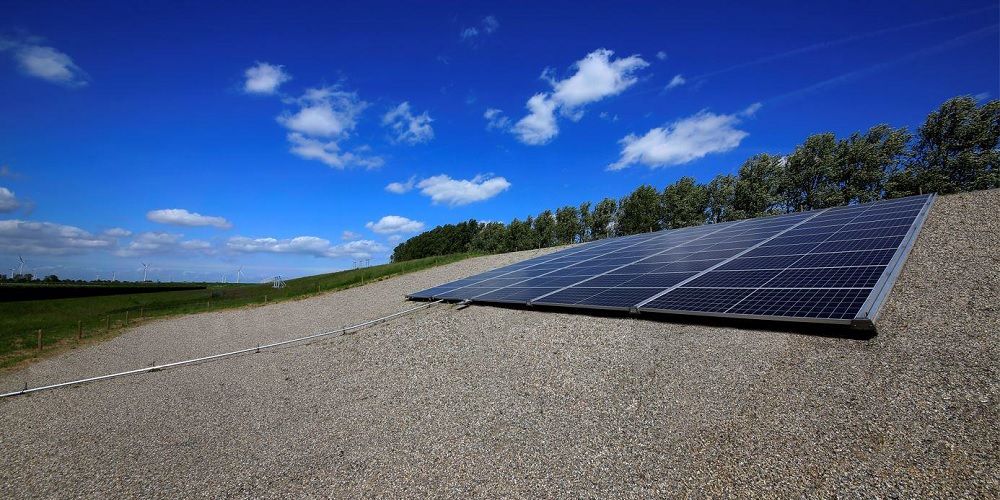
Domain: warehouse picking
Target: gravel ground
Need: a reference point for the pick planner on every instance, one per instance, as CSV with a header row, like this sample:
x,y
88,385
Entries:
x,y
490,401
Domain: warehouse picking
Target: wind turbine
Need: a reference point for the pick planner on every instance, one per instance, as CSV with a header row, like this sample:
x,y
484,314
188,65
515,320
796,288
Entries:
x,y
145,268
239,274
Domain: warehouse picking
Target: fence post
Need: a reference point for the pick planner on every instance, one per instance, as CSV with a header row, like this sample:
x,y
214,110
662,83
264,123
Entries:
x,y
39,339
79,329
109,322
265,299
141,315
126,318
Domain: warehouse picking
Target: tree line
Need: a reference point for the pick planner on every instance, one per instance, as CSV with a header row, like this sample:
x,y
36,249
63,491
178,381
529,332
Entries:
x,y
956,149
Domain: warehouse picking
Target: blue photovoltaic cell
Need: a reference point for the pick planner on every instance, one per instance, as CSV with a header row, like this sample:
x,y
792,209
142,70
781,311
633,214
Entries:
x,y
802,303
824,265
827,277
741,279
715,300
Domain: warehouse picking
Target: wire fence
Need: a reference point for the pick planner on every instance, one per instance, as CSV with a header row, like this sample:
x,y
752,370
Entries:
x,y
259,347
28,329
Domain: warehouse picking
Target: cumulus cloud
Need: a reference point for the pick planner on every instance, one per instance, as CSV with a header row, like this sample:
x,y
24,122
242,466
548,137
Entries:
x,y
751,109
676,81
117,232
304,245
487,26
324,112
349,235
326,116
661,55
456,192
539,126
329,153
407,127
470,32
395,224
182,217
490,24
8,201
200,245
684,140
264,78
597,76
401,187
156,242
29,237
46,63
496,119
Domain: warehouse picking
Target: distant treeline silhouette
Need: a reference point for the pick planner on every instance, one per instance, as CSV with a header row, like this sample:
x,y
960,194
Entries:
x,y
956,149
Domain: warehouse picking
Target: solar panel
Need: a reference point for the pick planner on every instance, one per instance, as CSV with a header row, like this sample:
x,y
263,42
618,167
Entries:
x,y
832,265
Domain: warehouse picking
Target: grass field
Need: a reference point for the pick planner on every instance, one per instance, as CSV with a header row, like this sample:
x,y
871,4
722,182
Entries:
x,y
61,321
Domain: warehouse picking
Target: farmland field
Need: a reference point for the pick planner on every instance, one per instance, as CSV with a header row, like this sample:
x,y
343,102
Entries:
x,y
62,320
16,292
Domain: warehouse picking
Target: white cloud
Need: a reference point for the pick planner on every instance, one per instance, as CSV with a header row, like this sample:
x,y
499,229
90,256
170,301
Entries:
x,y
597,76
676,81
394,239
359,248
29,237
117,232
467,33
196,245
264,78
455,192
751,109
395,224
683,141
401,187
47,63
407,127
156,242
8,201
490,24
329,153
182,217
324,112
496,119
324,118
487,26
539,127
305,245
661,55
349,235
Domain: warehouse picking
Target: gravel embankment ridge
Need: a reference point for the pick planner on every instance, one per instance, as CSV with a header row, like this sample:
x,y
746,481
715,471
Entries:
x,y
504,402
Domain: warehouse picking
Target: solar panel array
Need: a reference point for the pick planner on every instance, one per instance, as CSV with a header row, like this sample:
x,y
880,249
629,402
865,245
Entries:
x,y
833,265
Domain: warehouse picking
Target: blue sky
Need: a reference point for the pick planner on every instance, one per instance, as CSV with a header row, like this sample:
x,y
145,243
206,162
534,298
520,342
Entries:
x,y
200,138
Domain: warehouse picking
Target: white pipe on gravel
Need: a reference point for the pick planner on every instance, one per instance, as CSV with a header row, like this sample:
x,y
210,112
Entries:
x,y
340,331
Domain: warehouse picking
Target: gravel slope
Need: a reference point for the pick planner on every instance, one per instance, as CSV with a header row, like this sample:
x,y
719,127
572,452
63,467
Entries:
x,y
503,402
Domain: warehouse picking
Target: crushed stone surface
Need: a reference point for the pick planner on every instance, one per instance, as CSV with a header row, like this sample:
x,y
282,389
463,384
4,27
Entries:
x,y
487,401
